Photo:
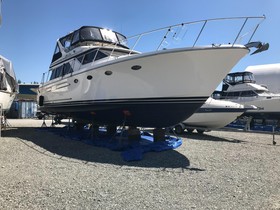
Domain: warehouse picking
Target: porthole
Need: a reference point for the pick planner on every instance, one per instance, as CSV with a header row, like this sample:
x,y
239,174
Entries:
x,y
89,77
108,73
136,67
76,80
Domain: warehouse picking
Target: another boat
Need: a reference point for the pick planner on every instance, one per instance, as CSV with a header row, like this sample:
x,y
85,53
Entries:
x,y
241,87
268,75
214,114
8,84
95,77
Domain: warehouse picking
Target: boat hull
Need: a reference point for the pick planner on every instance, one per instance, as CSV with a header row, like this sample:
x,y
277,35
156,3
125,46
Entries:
x,y
214,118
165,88
215,114
133,112
269,107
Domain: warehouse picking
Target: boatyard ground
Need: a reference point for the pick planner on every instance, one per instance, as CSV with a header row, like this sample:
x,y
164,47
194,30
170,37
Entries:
x,y
218,170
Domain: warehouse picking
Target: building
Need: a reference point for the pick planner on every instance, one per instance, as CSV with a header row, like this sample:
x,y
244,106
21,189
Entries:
x,y
25,103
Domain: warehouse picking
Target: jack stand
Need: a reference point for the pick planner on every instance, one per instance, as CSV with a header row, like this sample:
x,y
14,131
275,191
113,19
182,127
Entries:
x,y
273,134
159,134
122,128
44,123
123,125
133,134
53,122
171,131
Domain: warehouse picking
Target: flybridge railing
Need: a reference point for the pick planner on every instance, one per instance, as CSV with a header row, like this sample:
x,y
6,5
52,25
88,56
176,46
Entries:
x,y
236,30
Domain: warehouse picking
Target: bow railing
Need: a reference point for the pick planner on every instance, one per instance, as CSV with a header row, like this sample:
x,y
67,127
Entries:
x,y
217,31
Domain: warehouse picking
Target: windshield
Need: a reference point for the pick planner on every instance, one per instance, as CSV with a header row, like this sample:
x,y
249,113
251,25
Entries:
x,y
239,77
90,34
100,34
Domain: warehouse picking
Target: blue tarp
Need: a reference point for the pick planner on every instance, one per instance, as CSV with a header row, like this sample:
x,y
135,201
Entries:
x,y
257,127
130,150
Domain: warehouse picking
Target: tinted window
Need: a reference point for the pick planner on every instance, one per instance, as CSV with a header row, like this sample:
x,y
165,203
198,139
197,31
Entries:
x,y
53,75
76,37
57,54
233,94
90,34
67,69
89,57
80,58
122,39
248,93
66,41
100,55
56,72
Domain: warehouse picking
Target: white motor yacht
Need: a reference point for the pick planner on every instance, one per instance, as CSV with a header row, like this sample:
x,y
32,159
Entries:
x,y
213,114
241,87
99,76
8,84
268,75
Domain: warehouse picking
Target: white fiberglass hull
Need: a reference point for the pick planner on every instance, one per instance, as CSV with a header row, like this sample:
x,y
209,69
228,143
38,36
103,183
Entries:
x,y
215,114
268,106
168,88
6,100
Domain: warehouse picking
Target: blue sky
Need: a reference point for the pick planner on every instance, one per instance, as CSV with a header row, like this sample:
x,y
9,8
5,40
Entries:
x,y
30,28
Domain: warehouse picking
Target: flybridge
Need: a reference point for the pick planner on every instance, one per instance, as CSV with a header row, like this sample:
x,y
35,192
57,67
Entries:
x,y
87,35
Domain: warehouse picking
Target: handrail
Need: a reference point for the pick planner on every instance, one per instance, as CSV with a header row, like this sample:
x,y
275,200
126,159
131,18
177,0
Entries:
x,y
204,22
240,31
200,32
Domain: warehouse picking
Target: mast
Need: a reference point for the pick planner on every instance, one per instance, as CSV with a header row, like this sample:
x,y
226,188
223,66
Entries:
x,y
0,12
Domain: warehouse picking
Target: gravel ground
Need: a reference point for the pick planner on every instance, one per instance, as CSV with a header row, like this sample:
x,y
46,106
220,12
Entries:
x,y
219,170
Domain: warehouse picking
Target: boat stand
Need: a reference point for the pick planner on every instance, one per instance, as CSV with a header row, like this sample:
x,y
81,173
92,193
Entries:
x,y
131,142
44,125
273,136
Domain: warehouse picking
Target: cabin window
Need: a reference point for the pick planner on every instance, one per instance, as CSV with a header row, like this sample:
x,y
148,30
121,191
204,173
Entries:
x,y
248,93
261,91
57,50
93,56
100,55
76,37
233,94
238,79
52,75
57,54
67,69
56,72
122,39
66,41
89,57
80,58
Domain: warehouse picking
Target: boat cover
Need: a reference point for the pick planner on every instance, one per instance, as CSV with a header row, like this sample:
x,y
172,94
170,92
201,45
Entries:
x,y
7,73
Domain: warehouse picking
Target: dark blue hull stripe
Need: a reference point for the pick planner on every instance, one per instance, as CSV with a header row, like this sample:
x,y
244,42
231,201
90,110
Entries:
x,y
220,110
